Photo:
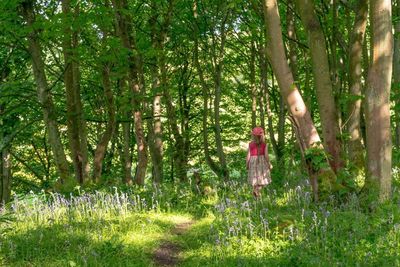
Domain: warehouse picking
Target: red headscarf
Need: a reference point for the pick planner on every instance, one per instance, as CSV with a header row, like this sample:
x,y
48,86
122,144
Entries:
x,y
257,131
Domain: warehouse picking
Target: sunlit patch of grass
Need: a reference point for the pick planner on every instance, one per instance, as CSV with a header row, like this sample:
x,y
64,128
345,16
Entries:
x,y
101,229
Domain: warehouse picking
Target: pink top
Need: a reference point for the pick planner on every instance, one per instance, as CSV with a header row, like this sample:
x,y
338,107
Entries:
x,y
253,149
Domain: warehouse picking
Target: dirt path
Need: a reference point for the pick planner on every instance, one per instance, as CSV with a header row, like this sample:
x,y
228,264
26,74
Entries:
x,y
167,254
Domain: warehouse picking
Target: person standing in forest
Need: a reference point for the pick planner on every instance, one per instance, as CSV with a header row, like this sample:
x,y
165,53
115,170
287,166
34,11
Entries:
x,y
257,162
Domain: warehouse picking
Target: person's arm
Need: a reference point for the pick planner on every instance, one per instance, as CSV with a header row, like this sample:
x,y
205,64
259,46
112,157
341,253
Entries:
x,y
248,158
267,157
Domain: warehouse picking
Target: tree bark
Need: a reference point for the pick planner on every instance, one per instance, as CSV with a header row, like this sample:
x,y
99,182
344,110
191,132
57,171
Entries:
x,y
379,145
75,121
253,87
45,98
307,134
291,32
5,161
323,83
396,73
355,74
218,60
263,82
5,176
110,127
128,41
158,38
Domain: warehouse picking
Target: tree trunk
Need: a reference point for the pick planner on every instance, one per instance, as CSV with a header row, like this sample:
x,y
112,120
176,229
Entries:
x,y
218,67
323,83
291,32
396,73
307,135
263,83
45,98
205,90
158,64
355,74
75,120
110,127
125,32
5,161
5,176
79,106
253,87
124,146
379,145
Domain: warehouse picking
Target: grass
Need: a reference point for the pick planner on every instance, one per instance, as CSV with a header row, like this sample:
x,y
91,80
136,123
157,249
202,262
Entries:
x,y
123,228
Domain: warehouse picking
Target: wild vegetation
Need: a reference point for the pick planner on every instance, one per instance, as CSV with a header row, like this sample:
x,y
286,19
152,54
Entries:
x,y
122,120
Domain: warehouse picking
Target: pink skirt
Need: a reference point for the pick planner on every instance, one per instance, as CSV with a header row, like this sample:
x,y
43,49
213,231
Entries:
x,y
259,173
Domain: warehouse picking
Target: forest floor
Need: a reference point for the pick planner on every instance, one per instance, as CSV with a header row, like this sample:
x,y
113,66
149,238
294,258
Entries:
x,y
167,254
180,226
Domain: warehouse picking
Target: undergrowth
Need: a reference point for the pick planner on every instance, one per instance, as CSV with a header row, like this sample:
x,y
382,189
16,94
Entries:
x,y
122,227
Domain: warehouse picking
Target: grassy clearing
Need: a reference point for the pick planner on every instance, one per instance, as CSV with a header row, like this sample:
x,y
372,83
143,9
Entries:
x,y
123,228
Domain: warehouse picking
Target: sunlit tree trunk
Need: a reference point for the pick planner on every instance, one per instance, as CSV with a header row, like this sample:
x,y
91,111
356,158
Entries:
x,y
355,74
307,135
323,83
379,145
45,98
396,73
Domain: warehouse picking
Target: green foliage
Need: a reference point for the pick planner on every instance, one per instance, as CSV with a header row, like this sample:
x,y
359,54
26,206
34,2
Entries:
x,y
317,158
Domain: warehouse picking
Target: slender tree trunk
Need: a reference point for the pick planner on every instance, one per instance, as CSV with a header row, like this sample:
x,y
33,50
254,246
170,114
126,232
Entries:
x,y
270,123
323,83
253,87
74,105
155,131
355,74
218,67
110,127
307,135
5,161
185,111
263,83
379,145
205,90
5,176
291,32
125,147
396,73
45,98
79,106
125,32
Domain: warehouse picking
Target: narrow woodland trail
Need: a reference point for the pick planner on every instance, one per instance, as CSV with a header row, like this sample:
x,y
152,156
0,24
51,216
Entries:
x,y
167,254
